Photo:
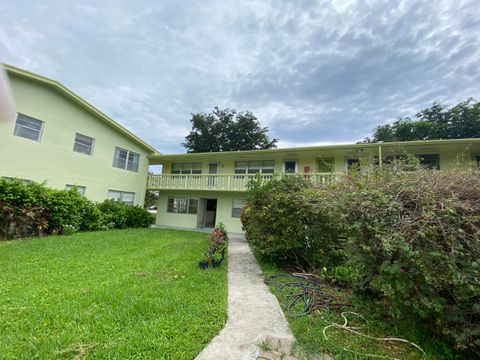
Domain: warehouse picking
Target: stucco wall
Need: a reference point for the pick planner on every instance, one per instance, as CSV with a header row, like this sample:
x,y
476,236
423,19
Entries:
x,y
224,210
52,159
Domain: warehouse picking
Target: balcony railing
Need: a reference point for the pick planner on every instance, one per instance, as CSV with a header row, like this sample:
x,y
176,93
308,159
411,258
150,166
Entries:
x,y
222,182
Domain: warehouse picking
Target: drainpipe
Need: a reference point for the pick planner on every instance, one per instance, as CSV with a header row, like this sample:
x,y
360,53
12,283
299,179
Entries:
x,y
380,156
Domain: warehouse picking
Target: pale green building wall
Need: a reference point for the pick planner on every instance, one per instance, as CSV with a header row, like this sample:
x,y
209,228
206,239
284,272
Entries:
x,y
53,160
451,155
189,221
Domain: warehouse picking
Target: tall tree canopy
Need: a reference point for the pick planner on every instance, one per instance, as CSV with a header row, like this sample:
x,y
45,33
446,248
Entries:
x,y
435,122
227,130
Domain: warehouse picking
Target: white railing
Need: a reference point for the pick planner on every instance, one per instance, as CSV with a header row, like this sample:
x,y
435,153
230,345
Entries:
x,y
223,182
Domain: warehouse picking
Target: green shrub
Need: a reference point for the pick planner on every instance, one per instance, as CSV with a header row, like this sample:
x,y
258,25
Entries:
x,y
34,210
411,238
118,215
288,219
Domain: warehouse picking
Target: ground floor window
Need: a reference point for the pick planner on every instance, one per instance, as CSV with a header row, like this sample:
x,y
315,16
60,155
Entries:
x,y
181,205
25,181
81,189
123,196
237,207
477,159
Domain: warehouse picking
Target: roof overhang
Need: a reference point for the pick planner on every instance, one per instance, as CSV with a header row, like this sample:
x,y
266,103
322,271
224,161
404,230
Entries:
x,y
420,145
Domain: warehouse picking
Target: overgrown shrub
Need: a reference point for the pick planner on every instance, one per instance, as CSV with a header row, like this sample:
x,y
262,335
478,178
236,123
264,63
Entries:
x,y
412,238
288,219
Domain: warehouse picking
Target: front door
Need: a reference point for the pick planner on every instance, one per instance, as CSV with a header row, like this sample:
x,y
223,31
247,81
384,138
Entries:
x,y
207,213
210,213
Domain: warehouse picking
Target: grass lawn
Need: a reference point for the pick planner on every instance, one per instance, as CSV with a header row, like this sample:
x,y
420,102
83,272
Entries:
x,y
341,344
115,294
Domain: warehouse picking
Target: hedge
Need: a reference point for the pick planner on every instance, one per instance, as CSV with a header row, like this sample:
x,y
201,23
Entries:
x,y
410,238
33,209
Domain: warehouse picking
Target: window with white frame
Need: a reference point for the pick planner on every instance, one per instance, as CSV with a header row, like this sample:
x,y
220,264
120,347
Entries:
x,y
180,205
255,167
187,168
123,196
126,159
237,207
28,127
81,189
83,144
25,181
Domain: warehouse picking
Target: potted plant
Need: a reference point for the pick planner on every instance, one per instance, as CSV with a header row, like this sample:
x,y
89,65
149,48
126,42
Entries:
x,y
217,259
205,261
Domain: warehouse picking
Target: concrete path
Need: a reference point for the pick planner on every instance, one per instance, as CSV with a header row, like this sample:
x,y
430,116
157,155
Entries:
x,y
253,312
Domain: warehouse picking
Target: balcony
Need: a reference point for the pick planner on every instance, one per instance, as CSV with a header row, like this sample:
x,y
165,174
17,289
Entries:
x,y
222,182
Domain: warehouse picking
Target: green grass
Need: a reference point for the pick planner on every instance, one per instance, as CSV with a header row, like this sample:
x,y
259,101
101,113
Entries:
x,y
341,344
116,294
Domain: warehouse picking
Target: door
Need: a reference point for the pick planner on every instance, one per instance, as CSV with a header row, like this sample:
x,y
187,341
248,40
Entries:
x,y
202,204
212,169
210,213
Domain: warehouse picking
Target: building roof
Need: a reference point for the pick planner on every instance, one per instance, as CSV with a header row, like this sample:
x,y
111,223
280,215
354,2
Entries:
x,y
81,102
161,158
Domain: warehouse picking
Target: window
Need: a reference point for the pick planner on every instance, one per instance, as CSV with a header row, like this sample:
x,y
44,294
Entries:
x,y
123,196
325,165
126,159
255,167
182,205
477,160
237,207
187,168
81,189
25,181
83,144
290,167
28,127
429,161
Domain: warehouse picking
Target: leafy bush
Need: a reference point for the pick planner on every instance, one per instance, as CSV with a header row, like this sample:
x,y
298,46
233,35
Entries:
x,y
34,210
411,238
117,215
288,219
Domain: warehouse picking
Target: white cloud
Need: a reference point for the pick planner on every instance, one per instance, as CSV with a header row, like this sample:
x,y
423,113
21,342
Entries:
x,y
315,72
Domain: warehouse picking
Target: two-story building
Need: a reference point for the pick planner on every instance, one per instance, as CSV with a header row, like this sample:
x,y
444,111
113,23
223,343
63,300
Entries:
x,y
60,138
199,190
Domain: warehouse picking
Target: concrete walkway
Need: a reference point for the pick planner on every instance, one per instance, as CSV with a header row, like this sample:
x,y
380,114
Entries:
x,y
253,312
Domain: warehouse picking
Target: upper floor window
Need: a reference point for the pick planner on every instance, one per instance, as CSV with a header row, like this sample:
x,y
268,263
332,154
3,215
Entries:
x,y
83,144
290,167
81,189
123,196
187,168
255,167
429,161
28,127
126,159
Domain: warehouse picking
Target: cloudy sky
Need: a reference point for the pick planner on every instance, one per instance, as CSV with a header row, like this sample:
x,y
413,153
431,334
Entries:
x,y
314,72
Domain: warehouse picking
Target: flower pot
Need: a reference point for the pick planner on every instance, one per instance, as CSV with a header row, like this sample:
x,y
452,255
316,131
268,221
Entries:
x,y
203,265
216,264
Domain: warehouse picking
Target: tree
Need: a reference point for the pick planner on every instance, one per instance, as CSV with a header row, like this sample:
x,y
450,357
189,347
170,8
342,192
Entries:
x,y
436,122
227,130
